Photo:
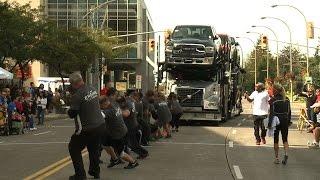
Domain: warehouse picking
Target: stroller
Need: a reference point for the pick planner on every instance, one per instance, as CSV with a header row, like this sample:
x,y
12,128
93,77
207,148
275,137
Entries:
x,y
17,121
4,126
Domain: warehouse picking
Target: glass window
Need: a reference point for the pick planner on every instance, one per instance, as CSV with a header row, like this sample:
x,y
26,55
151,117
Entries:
x,y
62,1
122,25
132,53
92,1
52,6
132,1
113,25
62,23
132,10
82,1
72,1
132,25
52,1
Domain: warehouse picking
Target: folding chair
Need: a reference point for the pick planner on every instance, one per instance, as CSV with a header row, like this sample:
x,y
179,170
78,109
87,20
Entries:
x,y
303,120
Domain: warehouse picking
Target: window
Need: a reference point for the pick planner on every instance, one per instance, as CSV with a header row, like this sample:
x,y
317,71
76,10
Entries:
x,y
52,1
113,25
132,25
122,25
132,53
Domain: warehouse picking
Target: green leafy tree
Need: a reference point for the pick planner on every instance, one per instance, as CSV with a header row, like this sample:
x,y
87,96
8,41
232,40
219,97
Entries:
x,y
20,28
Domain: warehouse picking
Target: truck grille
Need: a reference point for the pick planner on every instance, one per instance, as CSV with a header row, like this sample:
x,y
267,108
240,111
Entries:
x,y
194,101
189,51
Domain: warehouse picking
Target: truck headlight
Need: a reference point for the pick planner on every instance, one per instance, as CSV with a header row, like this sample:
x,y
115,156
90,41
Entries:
x,y
209,105
210,49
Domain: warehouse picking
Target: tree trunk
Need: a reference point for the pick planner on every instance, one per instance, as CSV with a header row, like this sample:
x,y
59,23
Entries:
x,y
21,67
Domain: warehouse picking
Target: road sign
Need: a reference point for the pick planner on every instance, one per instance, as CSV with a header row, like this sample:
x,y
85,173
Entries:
x,y
138,81
121,86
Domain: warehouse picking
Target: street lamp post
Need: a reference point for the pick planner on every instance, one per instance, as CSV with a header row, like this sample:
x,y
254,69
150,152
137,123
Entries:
x,y
306,25
255,57
277,41
290,51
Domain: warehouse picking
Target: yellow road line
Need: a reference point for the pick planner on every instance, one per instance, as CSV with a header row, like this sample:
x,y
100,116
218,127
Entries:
x,y
53,168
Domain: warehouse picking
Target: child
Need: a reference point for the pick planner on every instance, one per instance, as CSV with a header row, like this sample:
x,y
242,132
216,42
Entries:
x,y
114,141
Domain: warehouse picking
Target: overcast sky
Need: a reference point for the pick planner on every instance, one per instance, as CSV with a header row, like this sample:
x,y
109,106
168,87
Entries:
x,y
235,17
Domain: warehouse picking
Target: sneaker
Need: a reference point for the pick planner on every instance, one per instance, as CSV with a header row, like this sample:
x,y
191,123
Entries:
x,y
285,159
276,161
132,165
143,156
114,163
168,136
75,177
264,141
95,175
313,145
177,130
258,143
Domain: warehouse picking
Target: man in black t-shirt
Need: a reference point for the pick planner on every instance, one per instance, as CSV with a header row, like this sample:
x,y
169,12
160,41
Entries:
x,y
89,124
114,140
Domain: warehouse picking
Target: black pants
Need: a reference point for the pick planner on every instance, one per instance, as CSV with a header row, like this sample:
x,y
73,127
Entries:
x,y
133,143
90,139
146,131
311,115
258,125
175,120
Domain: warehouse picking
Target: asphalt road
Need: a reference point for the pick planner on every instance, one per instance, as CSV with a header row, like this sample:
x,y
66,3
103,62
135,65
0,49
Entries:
x,y
224,152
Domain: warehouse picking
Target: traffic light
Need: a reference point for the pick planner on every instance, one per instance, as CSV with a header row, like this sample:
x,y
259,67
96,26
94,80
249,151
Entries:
x,y
264,41
310,30
151,44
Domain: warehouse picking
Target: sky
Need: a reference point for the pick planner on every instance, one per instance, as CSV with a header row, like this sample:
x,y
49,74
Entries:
x,y
235,17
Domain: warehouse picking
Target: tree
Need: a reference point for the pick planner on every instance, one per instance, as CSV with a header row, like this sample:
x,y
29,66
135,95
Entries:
x,y
20,28
261,67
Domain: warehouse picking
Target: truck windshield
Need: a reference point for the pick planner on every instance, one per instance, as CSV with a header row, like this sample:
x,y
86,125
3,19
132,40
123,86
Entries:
x,y
192,32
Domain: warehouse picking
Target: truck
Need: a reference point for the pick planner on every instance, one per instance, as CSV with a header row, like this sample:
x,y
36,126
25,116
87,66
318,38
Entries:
x,y
198,68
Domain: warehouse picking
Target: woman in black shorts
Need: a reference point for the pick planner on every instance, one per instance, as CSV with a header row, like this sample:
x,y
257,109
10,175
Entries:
x,y
280,107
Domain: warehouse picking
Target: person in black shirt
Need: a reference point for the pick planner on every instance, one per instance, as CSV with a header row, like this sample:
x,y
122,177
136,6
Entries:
x,y
133,127
280,107
90,126
114,140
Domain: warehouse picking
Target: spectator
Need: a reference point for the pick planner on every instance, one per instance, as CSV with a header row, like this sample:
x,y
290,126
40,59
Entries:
x,y
310,100
41,107
280,108
49,100
260,99
145,126
316,128
32,90
18,104
318,95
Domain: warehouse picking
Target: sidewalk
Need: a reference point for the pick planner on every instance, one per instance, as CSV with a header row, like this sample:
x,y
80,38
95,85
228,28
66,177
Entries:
x,y
55,116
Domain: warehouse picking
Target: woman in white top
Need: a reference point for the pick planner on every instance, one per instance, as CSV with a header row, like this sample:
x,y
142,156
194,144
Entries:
x,y
41,107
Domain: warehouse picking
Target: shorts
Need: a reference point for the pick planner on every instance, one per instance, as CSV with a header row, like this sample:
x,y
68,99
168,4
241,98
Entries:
x,y
117,144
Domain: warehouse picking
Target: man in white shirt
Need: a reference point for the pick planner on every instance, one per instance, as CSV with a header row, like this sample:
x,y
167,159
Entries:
x,y
260,110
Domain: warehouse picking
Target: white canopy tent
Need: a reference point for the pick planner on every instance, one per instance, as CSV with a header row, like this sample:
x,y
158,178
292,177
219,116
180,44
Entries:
x,y
4,74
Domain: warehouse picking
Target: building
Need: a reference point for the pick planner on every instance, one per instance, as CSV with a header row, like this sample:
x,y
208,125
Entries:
x,y
123,17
